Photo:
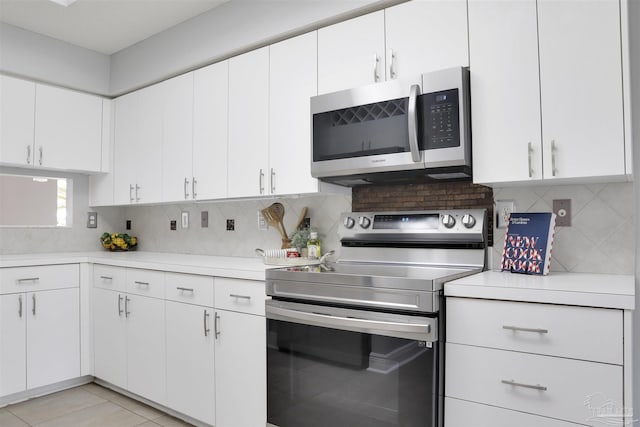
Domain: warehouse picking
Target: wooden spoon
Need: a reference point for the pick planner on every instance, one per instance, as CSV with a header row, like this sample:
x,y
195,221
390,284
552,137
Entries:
x,y
303,215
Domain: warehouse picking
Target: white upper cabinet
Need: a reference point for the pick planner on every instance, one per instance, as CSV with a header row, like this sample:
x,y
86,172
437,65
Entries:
x,y
548,100
505,105
425,35
138,147
17,112
248,155
210,131
581,88
68,129
177,137
351,53
293,77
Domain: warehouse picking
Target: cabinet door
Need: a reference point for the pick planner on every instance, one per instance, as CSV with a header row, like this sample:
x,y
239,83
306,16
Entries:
x,y
13,335
248,123
126,138
53,336
425,35
17,110
505,106
581,88
68,129
177,137
210,131
190,363
293,79
147,160
241,378
101,185
146,374
109,336
351,53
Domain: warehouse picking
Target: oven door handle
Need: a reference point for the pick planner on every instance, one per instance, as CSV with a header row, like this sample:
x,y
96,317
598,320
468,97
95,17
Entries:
x,y
426,331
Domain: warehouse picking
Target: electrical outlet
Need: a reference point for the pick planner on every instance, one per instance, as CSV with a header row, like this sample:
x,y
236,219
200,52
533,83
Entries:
x,y
306,223
92,219
262,224
128,224
173,224
503,212
231,225
185,219
562,209
204,219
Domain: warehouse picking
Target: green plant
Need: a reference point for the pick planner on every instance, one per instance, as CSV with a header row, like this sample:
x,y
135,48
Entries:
x,y
299,238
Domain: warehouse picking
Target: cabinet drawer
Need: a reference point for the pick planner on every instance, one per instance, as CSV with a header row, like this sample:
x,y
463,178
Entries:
x,y
460,413
38,278
108,277
246,296
543,385
189,288
577,332
145,282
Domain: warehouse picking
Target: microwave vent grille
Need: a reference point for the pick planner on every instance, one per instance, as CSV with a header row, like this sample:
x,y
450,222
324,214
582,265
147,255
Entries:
x,y
365,113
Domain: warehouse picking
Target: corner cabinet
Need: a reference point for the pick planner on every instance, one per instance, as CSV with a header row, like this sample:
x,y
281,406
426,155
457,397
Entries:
x,y
548,96
39,326
48,127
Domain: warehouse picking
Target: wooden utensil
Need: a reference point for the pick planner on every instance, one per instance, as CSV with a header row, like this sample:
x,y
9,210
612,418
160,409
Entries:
x,y
274,215
303,215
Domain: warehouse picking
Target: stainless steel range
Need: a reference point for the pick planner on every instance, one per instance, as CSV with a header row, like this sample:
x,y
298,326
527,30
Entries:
x,y
359,342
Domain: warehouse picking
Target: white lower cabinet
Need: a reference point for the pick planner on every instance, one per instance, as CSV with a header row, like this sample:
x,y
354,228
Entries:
x,y
529,364
109,337
39,328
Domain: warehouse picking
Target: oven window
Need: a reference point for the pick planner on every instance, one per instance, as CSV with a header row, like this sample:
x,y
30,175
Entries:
x,y
326,377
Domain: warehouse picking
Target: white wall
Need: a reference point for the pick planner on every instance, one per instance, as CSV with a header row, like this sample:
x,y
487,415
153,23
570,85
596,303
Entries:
x,y
37,57
225,31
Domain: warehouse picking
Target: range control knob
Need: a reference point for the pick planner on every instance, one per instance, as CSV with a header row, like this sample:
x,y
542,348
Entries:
x,y
468,221
349,222
448,220
364,222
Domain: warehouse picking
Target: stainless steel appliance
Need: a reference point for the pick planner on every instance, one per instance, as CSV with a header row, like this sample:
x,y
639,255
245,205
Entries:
x,y
359,342
394,131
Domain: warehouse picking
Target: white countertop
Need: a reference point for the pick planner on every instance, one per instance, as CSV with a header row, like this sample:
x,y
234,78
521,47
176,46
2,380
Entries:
x,y
593,290
235,267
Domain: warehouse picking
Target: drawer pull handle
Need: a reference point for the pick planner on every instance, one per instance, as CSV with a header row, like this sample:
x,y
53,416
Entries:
x,y
519,329
180,288
106,278
28,279
516,384
141,283
247,297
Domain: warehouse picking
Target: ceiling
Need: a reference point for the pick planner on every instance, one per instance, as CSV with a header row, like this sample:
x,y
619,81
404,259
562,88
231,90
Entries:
x,y
105,26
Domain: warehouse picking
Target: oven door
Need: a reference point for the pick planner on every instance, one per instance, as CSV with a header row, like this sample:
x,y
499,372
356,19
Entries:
x,y
329,366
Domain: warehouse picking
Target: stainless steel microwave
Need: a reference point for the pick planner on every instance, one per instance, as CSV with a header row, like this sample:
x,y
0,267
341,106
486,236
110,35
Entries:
x,y
394,131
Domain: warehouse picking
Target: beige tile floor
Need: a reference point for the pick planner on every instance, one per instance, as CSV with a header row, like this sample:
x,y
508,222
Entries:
x,y
89,405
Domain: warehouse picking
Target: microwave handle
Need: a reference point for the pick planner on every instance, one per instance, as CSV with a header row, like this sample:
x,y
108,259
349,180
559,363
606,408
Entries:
x,y
412,121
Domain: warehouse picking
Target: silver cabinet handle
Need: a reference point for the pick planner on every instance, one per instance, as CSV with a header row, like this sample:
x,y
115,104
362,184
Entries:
x,y
141,283
120,305
186,192
40,159
376,60
33,309
193,187
206,329
392,70
126,306
216,325
261,181
28,279
413,123
180,288
530,154
131,193
519,329
554,170
28,154
273,181
247,297
106,278
137,189
20,306
517,384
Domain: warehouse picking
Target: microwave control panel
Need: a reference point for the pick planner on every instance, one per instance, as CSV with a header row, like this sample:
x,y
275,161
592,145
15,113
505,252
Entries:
x,y
441,125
